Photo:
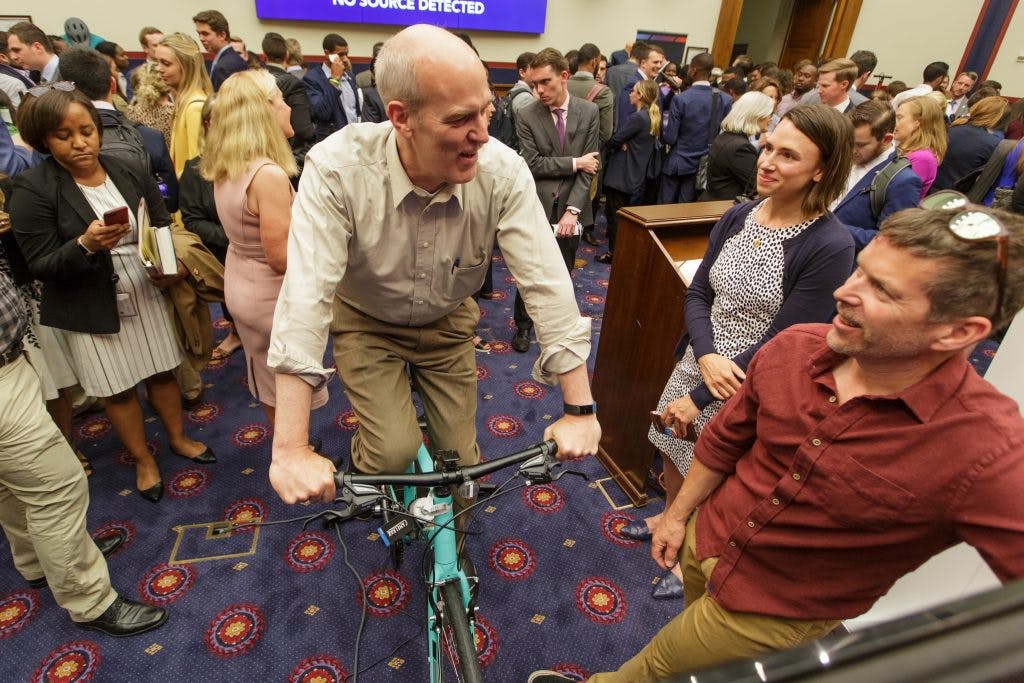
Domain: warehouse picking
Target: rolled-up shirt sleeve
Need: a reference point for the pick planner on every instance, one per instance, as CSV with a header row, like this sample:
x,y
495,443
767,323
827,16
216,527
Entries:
x,y
532,255
317,257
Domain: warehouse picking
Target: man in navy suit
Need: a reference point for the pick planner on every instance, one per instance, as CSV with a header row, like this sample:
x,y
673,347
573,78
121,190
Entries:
x,y
689,120
649,59
873,124
332,92
215,35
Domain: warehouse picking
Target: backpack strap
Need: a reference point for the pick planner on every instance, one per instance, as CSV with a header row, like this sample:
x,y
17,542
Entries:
x,y
712,127
594,91
880,184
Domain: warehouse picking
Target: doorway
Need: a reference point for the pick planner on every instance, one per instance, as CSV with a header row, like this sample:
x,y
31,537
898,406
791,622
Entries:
x,y
784,31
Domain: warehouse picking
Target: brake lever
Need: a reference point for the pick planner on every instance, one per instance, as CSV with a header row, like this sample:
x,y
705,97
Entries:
x,y
577,473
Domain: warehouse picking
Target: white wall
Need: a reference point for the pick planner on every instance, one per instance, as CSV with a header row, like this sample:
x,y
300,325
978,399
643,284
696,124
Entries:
x,y
908,35
607,23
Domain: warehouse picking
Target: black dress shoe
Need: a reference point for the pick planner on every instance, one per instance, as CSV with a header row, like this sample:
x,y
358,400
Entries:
x,y
107,545
521,340
589,238
127,618
669,588
193,402
154,493
205,458
638,530
606,257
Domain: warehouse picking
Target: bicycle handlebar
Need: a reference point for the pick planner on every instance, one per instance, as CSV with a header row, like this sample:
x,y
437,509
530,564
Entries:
x,y
545,451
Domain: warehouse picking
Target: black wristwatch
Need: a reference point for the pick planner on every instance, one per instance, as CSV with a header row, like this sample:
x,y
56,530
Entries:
x,y
570,409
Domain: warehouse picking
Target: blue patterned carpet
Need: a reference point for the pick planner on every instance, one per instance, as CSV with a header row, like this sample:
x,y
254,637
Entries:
x,y
559,587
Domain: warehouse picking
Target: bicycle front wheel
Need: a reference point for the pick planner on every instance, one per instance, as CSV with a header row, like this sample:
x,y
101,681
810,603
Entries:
x,y
457,635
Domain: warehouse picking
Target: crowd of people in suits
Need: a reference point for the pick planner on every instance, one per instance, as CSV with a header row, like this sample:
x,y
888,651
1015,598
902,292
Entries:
x,y
215,151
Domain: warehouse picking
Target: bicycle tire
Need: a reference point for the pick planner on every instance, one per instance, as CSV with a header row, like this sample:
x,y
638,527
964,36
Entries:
x,y
453,616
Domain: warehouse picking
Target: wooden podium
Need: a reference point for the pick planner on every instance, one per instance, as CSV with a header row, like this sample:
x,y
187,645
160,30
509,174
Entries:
x,y
643,322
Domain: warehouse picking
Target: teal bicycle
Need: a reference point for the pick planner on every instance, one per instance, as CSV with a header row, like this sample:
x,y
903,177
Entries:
x,y
419,506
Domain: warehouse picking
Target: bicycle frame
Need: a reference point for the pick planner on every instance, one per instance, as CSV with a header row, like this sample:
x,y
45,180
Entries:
x,y
435,511
446,567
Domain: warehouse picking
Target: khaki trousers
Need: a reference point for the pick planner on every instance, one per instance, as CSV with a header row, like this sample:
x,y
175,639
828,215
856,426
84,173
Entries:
x,y
705,634
377,360
43,500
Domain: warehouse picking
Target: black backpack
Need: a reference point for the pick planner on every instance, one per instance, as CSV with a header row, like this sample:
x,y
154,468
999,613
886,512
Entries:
x,y
122,142
880,184
503,122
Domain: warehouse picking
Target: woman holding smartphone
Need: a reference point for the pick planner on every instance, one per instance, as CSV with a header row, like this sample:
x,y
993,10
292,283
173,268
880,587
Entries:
x,y
95,286
769,264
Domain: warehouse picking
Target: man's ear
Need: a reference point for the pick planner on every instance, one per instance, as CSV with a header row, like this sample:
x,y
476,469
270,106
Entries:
x,y
112,86
399,115
962,334
887,139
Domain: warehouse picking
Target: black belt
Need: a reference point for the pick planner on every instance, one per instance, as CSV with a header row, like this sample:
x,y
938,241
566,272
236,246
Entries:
x,y
10,355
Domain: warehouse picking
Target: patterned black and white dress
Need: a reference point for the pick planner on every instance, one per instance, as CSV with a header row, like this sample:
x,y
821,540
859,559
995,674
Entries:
x,y
747,281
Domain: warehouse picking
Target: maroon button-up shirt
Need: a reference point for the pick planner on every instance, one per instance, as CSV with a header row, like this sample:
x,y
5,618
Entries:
x,y
825,506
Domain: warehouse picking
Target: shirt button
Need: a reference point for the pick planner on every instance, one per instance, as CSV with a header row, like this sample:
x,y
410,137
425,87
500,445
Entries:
x,y
832,399
796,475
776,501
418,301
750,523
422,275
816,442
424,244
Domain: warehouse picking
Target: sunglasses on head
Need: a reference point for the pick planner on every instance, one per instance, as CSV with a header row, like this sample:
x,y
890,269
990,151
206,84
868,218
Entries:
x,y
974,225
63,86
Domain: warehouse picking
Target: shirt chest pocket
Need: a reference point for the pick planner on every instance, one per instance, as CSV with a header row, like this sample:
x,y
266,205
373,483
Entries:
x,y
463,280
858,498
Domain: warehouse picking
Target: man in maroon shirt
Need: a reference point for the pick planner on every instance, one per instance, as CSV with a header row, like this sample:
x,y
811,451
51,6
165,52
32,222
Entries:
x,y
851,454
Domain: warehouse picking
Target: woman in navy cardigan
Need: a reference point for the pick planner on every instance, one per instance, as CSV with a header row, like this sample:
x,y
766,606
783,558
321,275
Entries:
x,y
770,263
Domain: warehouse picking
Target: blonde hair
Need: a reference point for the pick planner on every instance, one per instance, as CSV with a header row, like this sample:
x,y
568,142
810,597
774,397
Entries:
x,y
985,113
243,128
746,112
649,92
931,134
147,86
194,79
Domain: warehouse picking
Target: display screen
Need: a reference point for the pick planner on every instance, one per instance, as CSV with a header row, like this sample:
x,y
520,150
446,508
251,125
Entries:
x,y
520,16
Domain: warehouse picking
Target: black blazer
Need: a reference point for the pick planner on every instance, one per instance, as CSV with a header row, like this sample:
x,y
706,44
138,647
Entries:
x,y
230,62
295,95
732,165
627,171
48,214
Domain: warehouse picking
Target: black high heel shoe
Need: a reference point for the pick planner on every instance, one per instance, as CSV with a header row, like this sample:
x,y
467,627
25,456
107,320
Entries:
x,y
154,493
207,457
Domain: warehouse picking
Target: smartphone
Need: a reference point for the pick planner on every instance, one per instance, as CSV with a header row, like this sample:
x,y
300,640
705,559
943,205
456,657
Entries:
x,y
332,57
116,216
659,424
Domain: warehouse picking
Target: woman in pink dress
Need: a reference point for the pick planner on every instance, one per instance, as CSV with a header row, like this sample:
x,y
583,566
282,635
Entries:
x,y
920,136
249,161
